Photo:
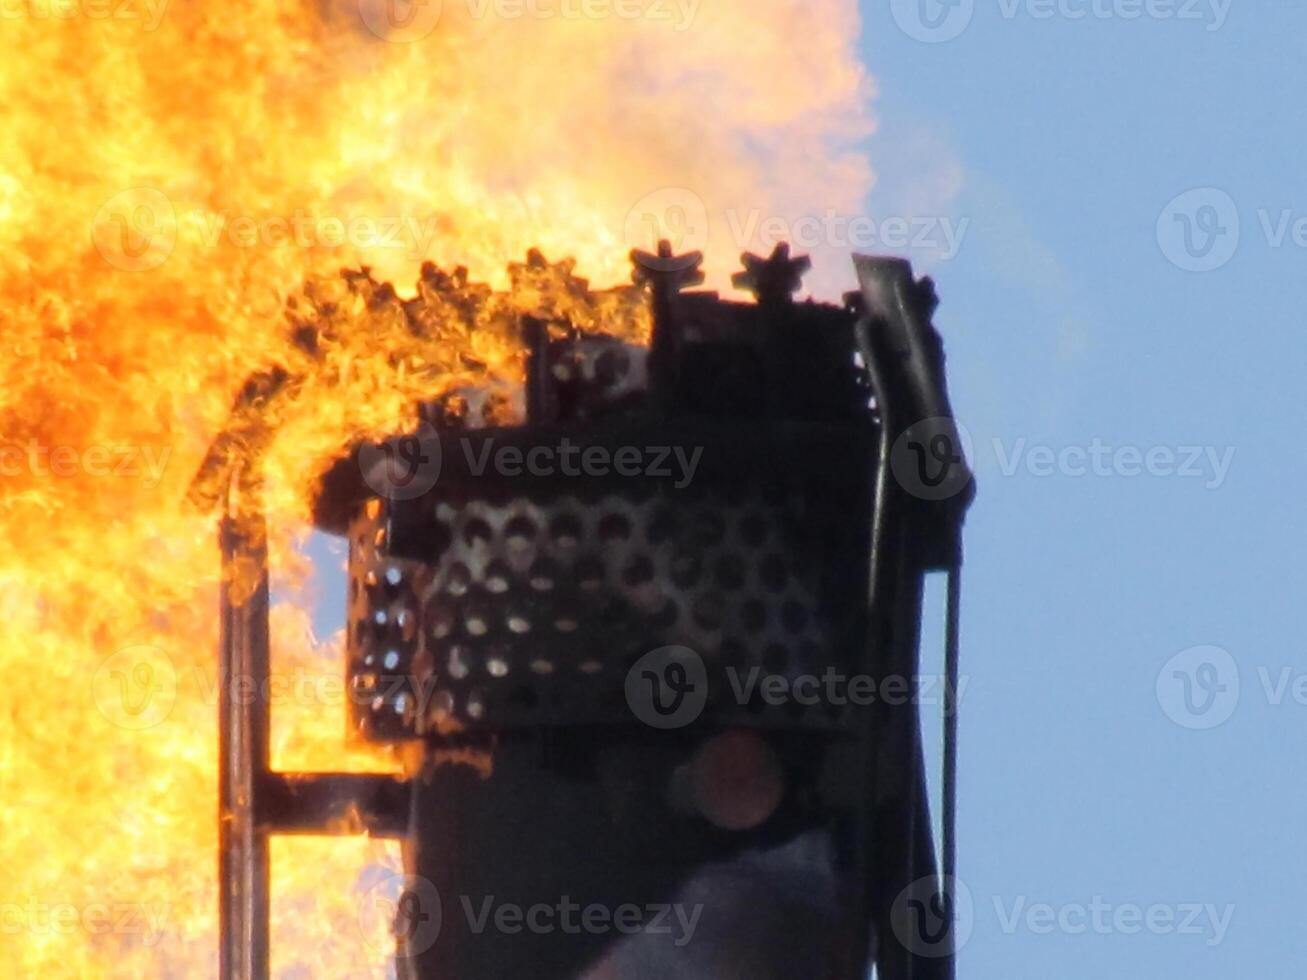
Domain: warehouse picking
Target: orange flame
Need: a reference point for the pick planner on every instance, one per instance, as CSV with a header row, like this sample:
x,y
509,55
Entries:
x,y
169,175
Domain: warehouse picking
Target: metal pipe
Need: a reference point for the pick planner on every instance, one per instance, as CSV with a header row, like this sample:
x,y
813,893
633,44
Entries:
x,y
333,804
950,764
243,724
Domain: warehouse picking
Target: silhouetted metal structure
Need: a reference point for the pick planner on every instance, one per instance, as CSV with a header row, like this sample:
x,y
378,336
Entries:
x,y
558,648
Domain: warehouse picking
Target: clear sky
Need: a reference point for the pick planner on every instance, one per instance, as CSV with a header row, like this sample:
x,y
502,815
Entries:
x,y
1087,312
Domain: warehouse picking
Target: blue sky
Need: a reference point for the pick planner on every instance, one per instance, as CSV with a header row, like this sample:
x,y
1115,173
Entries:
x,y
1071,323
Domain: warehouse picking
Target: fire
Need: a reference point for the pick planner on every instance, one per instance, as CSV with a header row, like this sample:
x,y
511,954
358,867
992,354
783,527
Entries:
x,y
180,185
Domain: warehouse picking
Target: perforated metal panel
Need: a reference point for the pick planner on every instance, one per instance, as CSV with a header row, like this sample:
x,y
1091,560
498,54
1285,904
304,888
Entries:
x,y
531,611
498,601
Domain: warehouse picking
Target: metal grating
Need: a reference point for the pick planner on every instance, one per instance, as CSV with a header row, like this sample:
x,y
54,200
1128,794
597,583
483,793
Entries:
x,y
532,611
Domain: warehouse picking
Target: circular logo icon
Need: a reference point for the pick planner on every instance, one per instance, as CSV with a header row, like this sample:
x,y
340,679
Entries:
x,y
933,21
1198,688
672,214
401,21
933,916
1199,230
136,230
929,460
668,687
136,687
405,467
401,909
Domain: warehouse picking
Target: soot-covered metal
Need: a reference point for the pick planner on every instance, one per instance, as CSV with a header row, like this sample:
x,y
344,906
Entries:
x,y
710,491
562,625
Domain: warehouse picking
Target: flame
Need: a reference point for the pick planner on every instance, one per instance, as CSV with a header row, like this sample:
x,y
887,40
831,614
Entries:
x,y
171,176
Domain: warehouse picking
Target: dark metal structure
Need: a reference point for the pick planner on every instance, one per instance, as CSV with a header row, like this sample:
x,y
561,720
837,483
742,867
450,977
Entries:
x,y
554,631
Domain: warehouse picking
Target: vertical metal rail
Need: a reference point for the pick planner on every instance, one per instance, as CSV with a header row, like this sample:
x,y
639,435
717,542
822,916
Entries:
x,y
243,721
904,356
949,845
894,604
253,801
